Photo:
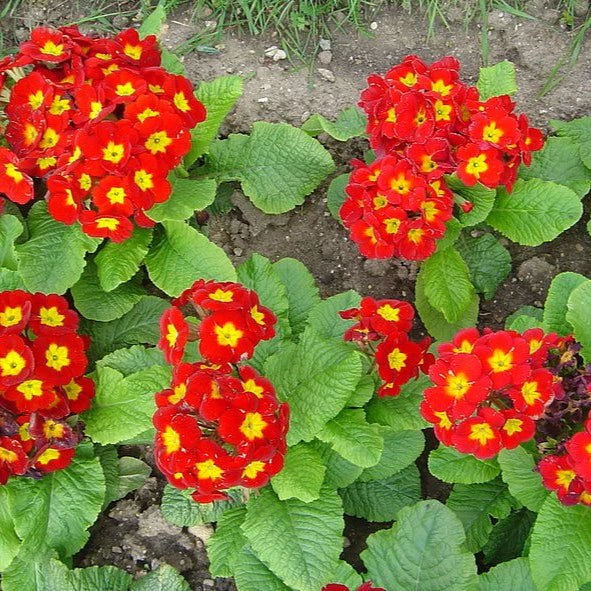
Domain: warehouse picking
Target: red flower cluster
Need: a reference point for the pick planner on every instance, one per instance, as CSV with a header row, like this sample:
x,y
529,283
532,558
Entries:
x,y
42,361
489,389
368,586
423,122
101,122
218,426
397,357
569,475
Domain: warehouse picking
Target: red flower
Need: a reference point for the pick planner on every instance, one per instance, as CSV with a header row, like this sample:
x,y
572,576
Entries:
x,y
442,422
494,127
416,241
15,310
47,45
518,429
113,195
78,394
16,360
165,137
398,358
224,337
31,395
14,183
144,52
480,435
145,172
123,86
182,95
559,475
478,165
59,358
579,451
117,228
531,396
51,315
12,459
175,332
54,458
463,342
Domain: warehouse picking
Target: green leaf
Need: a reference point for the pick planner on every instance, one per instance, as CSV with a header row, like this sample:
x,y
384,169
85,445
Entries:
x,y
364,391
559,161
128,361
452,231
188,196
325,319
525,484
350,123
380,500
514,575
9,541
560,545
523,323
52,259
107,455
488,261
401,412
218,97
180,255
132,474
300,459
346,575
474,503
339,472
446,283
96,304
164,578
153,23
401,448
535,314
118,262
139,325
482,197
123,406
300,542
277,165
508,536
302,292
10,229
497,80
180,509
10,280
354,438
226,543
422,552
579,130
28,570
555,307
96,578
537,211
450,465
435,321
335,195
43,509
577,315
317,377
250,574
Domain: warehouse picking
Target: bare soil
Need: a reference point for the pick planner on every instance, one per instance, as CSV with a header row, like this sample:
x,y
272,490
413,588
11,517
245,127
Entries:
x,y
132,534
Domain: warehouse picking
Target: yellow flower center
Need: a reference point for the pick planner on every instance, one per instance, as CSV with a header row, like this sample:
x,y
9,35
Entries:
x,y
30,133
72,390
59,105
441,87
477,165
392,225
253,469
171,440
442,111
252,387
457,386
133,51
512,426
409,80
219,295
47,456
109,223
31,388
416,235
491,133
51,48
444,421
46,162
208,470
7,455
116,195
13,173
50,138
253,425
147,113
158,142
36,100
387,312
181,102
11,316
53,430
179,394
500,361
397,359
481,432
171,335
12,364
85,181
113,152
95,108
257,315
51,316
228,335
400,184
143,180
564,478
530,393
126,89
57,357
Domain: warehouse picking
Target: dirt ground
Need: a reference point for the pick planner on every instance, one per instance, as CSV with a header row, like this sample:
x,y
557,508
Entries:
x,y
132,534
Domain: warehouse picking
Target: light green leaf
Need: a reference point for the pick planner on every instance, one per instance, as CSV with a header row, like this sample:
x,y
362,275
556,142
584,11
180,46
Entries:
x,y
139,325
401,412
559,161
525,484
132,474
43,509
123,406
250,574
354,438
180,509
555,307
300,459
522,323
188,196
324,317
401,448
474,503
277,165
10,229
380,500
96,304
317,377
301,290
335,195
300,542
346,575
536,211
10,280
560,545
482,197
218,97
514,575
227,542
128,361
52,259
339,472
350,123
579,130
452,231
118,262
531,311
488,261
434,320
577,315
450,465
29,569
364,391
164,578
9,541
446,283
97,578
497,80
180,255
153,23
423,552
109,459
508,536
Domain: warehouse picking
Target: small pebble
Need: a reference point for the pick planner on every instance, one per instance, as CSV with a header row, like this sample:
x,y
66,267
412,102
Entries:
x,y
325,44
326,75
325,57
373,26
